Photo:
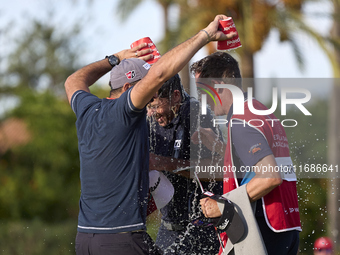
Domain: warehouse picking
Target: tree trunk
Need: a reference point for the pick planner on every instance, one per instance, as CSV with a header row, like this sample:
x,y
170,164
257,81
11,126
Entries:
x,y
184,73
165,7
247,70
185,78
247,65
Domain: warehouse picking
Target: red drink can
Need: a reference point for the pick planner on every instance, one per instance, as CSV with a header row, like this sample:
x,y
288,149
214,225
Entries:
x,y
227,26
150,45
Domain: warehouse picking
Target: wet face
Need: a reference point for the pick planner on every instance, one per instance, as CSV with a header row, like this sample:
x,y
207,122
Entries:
x,y
161,110
216,108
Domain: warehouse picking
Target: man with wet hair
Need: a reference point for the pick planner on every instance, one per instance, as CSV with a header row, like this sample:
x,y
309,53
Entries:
x,y
255,147
174,117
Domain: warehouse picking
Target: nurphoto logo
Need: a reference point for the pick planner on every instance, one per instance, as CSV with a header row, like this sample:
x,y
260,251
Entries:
x,y
238,102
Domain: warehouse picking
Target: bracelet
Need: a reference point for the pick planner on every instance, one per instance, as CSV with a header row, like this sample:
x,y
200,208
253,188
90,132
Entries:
x,y
209,39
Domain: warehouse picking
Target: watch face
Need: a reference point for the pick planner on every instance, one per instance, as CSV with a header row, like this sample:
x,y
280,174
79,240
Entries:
x,y
113,60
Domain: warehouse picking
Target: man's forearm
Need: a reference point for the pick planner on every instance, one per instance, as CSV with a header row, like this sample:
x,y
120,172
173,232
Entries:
x,y
86,76
174,60
170,164
162,163
89,74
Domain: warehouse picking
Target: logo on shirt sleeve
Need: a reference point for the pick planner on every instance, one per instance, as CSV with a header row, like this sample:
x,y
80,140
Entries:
x,y
255,148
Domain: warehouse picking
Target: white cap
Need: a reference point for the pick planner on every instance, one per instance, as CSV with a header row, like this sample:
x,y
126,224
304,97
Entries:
x,y
161,188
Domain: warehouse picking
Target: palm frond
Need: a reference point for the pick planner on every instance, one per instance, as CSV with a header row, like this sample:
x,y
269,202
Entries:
x,y
297,53
126,7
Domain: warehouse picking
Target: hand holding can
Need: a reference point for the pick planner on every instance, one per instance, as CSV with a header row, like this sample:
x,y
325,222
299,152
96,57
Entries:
x,y
227,26
150,45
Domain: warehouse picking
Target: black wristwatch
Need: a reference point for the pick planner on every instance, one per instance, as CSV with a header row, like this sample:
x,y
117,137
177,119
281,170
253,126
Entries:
x,y
113,60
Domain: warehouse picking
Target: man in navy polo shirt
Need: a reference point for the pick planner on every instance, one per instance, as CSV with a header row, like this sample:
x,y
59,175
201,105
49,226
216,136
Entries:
x,y
174,118
113,144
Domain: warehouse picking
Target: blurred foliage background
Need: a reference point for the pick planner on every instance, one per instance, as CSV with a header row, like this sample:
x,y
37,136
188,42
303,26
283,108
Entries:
x,y
39,163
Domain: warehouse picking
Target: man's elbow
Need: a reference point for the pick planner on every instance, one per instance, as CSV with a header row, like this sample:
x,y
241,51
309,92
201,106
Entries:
x,y
272,183
275,182
68,87
159,74
68,82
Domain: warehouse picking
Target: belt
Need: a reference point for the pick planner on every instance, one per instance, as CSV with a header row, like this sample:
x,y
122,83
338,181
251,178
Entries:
x,y
174,226
134,231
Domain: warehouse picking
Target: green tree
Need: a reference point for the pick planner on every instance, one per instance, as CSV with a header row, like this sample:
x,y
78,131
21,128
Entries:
x,y
43,57
41,179
308,143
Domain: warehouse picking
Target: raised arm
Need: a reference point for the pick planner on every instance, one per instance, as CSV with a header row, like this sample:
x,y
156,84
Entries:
x,y
88,75
173,61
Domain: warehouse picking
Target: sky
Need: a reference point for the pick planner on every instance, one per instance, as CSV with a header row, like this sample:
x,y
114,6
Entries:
x,y
104,33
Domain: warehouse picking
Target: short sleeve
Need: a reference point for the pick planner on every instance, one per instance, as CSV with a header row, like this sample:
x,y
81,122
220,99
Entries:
x,y
250,144
132,108
82,100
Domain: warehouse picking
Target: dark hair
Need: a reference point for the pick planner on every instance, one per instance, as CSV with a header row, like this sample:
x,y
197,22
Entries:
x,y
174,83
197,66
218,65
